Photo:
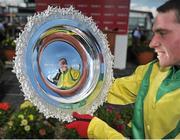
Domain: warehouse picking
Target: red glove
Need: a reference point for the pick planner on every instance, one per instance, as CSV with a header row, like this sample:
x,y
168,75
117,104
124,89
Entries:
x,y
80,124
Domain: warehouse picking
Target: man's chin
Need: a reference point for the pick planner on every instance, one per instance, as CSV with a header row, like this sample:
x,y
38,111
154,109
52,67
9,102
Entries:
x,y
164,64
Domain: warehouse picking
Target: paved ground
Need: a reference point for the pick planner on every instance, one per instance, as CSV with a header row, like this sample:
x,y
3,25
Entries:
x,y
10,90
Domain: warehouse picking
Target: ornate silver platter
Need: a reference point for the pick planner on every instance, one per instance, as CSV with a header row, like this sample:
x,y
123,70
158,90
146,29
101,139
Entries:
x,y
63,63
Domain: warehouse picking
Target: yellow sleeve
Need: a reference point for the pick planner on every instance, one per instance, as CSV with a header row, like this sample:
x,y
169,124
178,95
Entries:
x,y
124,90
75,74
98,129
178,136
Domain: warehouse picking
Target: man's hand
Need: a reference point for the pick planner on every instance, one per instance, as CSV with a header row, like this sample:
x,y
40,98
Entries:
x,y
80,124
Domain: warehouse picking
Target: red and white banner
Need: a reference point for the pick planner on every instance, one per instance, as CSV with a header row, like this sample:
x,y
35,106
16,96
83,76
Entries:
x,y
108,14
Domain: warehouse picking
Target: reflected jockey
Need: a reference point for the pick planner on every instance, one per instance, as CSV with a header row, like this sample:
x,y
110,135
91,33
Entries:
x,y
68,77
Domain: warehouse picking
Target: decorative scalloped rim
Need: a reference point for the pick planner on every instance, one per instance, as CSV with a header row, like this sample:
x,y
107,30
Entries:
x,y
21,43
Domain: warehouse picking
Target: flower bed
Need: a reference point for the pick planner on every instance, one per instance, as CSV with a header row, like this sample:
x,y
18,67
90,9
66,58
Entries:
x,y
119,119
28,123
5,112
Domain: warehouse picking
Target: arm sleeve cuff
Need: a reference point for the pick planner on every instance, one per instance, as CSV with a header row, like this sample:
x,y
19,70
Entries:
x,y
101,130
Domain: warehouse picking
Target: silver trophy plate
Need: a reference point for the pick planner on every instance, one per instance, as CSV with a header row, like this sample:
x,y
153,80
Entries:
x,y
63,63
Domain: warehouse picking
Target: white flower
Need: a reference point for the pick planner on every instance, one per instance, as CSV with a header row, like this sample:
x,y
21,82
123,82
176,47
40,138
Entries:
x,y
27,128
24,122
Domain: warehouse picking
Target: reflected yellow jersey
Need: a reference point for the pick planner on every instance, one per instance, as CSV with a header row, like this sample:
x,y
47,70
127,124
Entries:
x,y
68,79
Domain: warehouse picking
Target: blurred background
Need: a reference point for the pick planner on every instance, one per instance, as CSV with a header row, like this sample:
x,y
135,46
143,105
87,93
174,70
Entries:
x,y
118,19
127,24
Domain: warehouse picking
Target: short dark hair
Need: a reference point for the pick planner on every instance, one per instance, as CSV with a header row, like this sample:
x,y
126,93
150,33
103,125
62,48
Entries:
x,y
171,5
64,60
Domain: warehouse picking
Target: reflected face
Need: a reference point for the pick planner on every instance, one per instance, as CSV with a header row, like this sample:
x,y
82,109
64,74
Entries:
x,y
63,65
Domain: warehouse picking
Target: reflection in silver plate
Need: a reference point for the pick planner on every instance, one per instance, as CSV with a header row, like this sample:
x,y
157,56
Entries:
x,y
63,63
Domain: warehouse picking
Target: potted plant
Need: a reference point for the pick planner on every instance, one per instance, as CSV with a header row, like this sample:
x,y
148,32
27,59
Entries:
x,y
144,54
8,46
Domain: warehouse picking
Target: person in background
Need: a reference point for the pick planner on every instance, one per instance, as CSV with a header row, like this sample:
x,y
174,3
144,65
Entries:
x,y
136,37
2,32
2,26
154,87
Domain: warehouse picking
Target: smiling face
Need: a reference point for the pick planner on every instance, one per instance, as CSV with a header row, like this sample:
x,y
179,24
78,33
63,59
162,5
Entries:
x,y
166,39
